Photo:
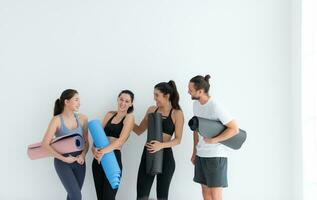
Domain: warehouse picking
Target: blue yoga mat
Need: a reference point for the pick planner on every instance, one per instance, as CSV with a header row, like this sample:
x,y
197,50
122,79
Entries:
x,y
109,162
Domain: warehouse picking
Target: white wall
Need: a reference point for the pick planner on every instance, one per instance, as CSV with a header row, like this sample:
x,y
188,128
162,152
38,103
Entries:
x,y
296,100
101,47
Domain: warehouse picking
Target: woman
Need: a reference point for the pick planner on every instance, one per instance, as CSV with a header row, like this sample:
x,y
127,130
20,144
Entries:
x,y
117,125
71,167
167,98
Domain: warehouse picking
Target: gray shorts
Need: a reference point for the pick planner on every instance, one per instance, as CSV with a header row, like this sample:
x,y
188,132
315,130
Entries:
x,y
211,172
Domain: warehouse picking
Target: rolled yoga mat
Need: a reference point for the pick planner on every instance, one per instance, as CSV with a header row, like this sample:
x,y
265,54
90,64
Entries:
x,y
64,144
154,161
109,162
211,128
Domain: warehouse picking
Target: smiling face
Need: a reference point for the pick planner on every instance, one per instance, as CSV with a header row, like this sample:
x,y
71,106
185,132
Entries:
x,y
195,94
124,102
160,98
73,103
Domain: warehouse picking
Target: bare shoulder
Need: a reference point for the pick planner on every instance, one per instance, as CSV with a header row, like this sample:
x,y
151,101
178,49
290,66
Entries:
x,y
108,115
177,114
82,117
129,117
55,121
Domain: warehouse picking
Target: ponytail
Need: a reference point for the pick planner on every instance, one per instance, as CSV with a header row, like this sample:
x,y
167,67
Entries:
x,y
58,108
59,103
171,89
174,97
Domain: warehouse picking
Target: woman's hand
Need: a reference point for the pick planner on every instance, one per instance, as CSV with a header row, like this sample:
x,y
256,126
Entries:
x,y
97,153
100,153
94,151
154,146
70,159
81,159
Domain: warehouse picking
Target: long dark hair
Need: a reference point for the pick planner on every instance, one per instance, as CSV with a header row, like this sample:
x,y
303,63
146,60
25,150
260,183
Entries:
x,y
130,109
170,88
201,82
60,103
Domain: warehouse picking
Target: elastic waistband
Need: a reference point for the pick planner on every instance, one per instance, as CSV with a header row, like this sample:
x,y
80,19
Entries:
x,y
76,153
164,149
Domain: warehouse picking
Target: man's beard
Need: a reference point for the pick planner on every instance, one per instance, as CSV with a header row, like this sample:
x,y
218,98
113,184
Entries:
x,y
195,98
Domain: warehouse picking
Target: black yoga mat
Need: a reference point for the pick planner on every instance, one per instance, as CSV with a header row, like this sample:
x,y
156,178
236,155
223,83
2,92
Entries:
x,y
211,128
154,161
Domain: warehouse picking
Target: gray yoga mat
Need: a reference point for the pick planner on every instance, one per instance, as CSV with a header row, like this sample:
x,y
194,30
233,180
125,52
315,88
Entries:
x,y
211,128
154,161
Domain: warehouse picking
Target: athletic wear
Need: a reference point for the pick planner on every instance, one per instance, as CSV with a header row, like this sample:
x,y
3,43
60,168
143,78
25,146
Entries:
x,y
214,111
71,175
103,187
63,130
211,172
163,180
114,130
167,123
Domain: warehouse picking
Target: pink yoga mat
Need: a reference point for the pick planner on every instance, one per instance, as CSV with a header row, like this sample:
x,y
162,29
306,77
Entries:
x,y
64,144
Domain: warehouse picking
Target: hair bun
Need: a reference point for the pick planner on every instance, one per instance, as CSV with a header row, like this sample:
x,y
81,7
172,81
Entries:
x,y
207,77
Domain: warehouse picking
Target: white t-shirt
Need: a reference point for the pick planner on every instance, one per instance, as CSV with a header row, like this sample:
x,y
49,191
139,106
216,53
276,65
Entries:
x,y
214,111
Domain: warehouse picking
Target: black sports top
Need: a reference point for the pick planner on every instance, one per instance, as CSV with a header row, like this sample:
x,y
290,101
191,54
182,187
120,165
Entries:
x,y
114,130
167,123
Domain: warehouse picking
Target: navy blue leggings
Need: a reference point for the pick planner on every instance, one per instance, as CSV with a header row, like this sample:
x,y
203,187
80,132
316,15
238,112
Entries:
x,y
72,176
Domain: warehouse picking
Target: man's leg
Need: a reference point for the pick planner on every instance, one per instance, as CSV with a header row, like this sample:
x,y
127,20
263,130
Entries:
x,y
206,192
216,193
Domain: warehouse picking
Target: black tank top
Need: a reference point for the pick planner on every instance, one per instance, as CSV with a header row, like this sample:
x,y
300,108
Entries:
x,y
167,123
114,130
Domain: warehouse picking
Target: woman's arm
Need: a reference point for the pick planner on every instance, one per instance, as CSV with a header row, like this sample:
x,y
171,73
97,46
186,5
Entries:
x,y
50,132
125,133
139,129
155,146
84,120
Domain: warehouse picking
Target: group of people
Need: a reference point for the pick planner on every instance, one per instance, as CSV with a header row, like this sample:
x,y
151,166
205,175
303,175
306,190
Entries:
x,y
209,156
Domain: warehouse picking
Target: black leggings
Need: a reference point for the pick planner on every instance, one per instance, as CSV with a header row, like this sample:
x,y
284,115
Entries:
x,y
103,188
163,180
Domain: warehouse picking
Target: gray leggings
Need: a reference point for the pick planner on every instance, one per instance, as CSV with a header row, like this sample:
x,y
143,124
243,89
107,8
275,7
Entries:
x,y
72,176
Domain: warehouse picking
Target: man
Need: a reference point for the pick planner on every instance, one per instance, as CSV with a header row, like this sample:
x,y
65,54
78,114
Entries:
x,y
209,156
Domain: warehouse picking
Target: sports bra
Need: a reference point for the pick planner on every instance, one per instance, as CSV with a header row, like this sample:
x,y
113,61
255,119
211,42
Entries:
x,y
63,130
114,130
167,123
